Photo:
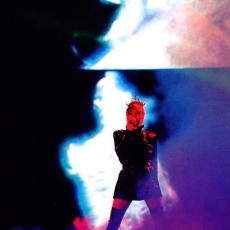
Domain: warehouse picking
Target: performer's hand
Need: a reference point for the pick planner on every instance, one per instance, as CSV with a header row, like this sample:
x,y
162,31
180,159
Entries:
x,y
132,124
130,127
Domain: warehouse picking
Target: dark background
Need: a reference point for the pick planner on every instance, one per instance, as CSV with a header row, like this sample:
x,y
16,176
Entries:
x,y
41,87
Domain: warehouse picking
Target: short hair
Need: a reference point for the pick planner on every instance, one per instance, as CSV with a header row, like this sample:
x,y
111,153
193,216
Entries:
x,y
134,101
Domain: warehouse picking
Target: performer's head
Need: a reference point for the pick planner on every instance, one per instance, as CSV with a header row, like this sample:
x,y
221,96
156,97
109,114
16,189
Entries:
x,y
135,113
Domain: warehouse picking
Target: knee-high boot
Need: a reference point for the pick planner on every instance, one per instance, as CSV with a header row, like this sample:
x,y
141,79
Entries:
x,y
115,219
156,212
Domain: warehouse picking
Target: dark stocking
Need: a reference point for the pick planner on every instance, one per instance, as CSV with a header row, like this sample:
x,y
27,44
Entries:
x,y
115,219
156,212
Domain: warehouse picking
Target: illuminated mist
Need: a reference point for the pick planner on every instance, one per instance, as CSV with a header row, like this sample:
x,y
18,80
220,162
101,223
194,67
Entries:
x,y
90,162
193,160
196,155
159,34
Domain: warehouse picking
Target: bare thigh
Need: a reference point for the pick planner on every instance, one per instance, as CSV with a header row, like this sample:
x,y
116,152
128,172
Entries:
x,y
154,203
121,204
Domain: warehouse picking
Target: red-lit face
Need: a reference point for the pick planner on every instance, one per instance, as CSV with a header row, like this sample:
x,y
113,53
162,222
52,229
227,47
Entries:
x,y
135,115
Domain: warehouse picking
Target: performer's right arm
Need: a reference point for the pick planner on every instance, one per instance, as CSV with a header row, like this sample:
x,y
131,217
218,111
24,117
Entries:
x,y
122,140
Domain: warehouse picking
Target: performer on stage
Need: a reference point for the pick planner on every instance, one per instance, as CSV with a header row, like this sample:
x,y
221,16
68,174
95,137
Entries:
x,y
138,179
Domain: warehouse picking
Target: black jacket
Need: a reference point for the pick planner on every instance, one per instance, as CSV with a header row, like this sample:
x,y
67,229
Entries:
x,y
137,152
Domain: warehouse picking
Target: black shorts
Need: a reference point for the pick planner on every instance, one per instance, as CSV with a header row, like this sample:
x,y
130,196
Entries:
x,y
136,186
